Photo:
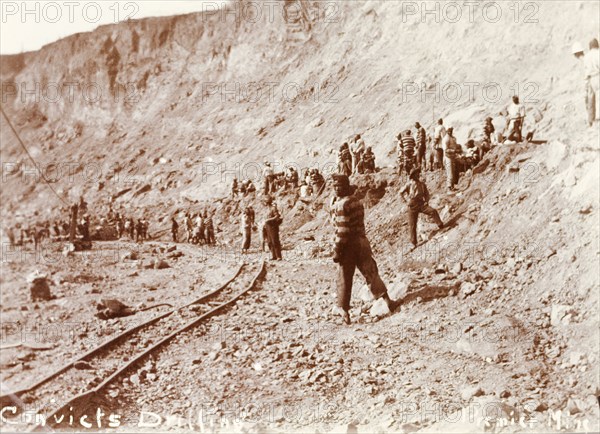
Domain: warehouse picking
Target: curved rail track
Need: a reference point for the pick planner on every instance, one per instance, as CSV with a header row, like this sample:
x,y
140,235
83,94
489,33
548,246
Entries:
x,y
71,387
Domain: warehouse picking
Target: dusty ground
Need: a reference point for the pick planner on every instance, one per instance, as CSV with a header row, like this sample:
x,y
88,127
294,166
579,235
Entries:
x,y
499,329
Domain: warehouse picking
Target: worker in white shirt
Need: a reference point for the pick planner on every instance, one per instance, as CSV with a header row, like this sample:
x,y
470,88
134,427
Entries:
x,y
516,114
438,135
591,65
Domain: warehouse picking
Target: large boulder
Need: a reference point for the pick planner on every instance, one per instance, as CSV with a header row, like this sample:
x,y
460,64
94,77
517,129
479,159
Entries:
x,y
39,288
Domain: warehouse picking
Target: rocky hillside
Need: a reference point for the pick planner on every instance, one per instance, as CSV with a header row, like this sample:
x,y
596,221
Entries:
x,y
165,112
234,87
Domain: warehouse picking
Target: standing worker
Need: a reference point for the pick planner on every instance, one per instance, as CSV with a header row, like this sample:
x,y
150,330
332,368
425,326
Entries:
x,y
408,151
357,149
209,228
516,114
438,135
268,175
247,223
174,229
199,229
234,188
451,151
271,230
591,64
418,203
352,248
421,145
487,135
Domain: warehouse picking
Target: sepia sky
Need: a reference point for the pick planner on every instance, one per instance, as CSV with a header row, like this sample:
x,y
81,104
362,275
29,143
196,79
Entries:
x,y
29,25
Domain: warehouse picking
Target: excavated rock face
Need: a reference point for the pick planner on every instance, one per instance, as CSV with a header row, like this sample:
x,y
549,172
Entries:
x,y
499,307
370,189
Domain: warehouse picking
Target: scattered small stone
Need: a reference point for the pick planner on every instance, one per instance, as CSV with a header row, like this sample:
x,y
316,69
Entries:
x,y
161,264
68,250
135,379
82,365
440,269
379,308
131,256
479,392
560,314
573,406
112,308
467,289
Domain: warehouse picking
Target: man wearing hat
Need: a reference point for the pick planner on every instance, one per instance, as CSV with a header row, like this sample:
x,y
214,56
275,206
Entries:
x,y
486,135
451,151
416,195
368,161
438,135
271,230
344,160
514,121
352,249
357,150
408,145
267,178
246,228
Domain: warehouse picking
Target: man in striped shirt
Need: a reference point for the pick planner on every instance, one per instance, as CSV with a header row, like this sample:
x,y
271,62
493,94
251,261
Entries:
x,y
352,249
407,152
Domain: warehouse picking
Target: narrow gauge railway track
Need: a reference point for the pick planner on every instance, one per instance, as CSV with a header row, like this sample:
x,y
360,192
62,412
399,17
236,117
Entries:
x,y
70,390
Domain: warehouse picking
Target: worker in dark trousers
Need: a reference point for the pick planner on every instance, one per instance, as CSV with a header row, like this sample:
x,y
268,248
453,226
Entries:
x,y
418,203
421,142
352,249
246,229
209,229
174,229
271,230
